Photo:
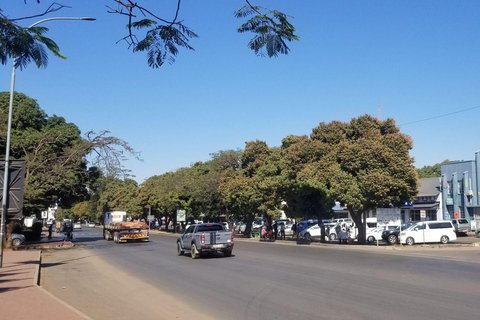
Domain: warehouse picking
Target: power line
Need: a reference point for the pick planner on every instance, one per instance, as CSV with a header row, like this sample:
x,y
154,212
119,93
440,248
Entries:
x,y
443,115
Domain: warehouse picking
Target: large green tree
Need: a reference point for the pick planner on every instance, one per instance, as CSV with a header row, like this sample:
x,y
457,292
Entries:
x,y
53,150
368,165
55,154
254,189
304,191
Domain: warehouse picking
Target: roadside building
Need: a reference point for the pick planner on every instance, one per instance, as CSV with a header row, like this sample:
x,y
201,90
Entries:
x,y
428,201
460,193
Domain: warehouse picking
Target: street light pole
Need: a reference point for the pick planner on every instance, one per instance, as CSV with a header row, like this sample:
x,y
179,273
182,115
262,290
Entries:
x,y
6,176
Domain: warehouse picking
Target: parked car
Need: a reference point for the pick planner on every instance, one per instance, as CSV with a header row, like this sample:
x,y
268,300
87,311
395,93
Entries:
x,y
461,225
240,227
477,232
17,239
375,234
77,225
303,225
429,231
91,224
314,232
391,235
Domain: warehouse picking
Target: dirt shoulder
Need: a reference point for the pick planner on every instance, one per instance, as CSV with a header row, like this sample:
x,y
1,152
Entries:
x,y
80,278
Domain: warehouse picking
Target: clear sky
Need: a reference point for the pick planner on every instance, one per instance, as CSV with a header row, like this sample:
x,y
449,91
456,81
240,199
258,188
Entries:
x,y
417,59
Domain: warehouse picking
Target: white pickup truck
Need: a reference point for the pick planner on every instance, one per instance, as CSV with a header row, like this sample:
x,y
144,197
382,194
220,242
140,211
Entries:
x,y
205,237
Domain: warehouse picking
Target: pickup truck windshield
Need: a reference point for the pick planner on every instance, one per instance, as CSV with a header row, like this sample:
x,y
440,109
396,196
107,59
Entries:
x,y
210,228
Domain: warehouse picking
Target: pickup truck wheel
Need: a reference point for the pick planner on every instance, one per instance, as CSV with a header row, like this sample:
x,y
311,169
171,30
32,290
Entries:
x,y
193,251
227,253
180,251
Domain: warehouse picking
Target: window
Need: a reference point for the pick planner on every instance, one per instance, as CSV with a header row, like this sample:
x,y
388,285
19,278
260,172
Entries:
x,y
440,225
210,227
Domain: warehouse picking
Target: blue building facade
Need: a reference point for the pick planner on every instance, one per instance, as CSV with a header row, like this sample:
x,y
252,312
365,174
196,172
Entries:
x,y
460,190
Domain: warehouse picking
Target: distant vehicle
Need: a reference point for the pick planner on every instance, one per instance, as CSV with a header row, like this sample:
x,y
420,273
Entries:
x,y
302,225
313,232
77,225
17,239
429,231
240,227
91,224
205,237
461,225
116,227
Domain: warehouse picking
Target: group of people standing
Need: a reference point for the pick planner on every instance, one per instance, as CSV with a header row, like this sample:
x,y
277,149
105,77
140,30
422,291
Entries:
x,y
272,233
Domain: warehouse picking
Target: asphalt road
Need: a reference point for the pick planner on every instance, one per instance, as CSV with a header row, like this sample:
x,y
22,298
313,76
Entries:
x,y
261,280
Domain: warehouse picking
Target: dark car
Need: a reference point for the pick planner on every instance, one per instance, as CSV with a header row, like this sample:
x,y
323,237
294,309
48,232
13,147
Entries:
x,y
391,235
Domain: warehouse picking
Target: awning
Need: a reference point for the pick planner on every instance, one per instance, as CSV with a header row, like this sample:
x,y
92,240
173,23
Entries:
x,y
424,205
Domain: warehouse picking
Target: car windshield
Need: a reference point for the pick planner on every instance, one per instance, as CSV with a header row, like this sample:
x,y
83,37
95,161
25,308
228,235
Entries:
x,y
419,226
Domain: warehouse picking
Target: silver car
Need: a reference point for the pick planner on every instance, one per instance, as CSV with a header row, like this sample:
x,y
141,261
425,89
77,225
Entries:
x,y
17,239
461,225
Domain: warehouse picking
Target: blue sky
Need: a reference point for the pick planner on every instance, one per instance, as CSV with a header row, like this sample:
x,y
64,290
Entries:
x,y
417,59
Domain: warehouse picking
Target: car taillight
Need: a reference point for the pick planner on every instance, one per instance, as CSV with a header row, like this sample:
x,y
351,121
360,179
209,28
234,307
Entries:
x,y
202,239
232,237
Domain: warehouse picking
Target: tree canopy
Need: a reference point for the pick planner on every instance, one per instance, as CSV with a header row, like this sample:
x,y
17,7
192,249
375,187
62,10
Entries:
x,y
55,154
148,31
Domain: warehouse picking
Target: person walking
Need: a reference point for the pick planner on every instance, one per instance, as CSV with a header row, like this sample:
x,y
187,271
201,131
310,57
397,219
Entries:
x,y
275,230
50,227
282,231
294,230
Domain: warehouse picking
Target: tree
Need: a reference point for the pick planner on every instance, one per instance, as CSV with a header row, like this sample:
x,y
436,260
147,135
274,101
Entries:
x,y
254,189
162,37
431,171
368,165
53,151
120,195
25,44
305,193
56,154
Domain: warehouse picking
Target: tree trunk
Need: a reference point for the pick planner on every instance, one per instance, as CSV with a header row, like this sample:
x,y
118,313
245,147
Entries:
x,y
248,227
357,218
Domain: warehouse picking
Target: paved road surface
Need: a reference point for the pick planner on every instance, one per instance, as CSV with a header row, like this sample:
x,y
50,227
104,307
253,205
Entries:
x,y
263,281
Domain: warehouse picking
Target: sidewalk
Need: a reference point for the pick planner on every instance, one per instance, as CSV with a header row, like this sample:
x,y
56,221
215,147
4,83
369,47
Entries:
x,y
20,295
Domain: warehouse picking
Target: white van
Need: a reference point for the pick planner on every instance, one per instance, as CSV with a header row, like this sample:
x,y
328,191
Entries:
x,y
429,231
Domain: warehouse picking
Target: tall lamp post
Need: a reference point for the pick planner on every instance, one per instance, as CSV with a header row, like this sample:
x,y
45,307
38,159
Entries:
x,y
6,177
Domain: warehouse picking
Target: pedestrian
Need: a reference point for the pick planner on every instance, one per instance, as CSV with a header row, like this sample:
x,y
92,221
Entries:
x,y
263,233
282,231
343,236
294,229
275,230
50,227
